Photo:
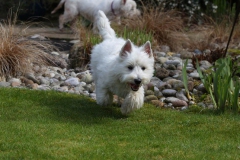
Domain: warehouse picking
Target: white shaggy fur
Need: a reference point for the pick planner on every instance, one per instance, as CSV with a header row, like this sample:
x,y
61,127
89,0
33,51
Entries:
x,y
119,67
114,9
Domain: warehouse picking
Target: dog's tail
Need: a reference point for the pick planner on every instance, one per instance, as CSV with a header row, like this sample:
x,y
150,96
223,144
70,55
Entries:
x,y
58,6
104,27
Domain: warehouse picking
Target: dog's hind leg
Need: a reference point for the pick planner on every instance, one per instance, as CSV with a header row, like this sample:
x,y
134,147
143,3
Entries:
x,y
104,98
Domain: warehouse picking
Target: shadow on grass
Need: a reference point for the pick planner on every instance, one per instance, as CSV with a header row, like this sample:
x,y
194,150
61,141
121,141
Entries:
x,y
76,108
59,106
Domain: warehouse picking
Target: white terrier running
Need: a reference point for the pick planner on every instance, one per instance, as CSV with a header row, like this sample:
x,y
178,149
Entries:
x,y
114,9
119,67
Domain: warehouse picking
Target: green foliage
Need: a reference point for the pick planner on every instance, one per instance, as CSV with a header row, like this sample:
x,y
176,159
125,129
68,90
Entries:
x,y
195,9
184,74
185,78
222,84
137,36
90,40
54,125
223,9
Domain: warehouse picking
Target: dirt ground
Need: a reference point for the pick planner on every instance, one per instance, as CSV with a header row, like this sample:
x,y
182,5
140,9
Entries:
x,y
48,32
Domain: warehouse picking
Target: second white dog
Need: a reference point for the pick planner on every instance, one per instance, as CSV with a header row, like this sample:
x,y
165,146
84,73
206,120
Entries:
x,y
119,67
114,9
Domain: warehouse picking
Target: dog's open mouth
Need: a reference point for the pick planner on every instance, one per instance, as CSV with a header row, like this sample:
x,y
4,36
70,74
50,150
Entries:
x,y
135,87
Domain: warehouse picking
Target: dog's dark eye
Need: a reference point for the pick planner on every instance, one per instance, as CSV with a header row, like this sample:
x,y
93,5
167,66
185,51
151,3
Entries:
x,y
143,68
130,67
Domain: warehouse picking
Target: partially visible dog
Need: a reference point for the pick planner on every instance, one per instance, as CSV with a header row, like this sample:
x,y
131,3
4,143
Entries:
x,y
114,9
119,67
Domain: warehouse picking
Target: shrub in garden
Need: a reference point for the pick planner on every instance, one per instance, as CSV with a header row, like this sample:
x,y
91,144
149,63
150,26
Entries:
x,y
195,9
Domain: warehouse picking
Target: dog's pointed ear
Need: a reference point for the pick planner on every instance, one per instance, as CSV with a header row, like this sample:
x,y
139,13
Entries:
x,y
147,48
124,2
127,48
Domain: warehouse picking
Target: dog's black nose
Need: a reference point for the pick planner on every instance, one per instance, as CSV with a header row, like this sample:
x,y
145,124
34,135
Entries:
x,y
137,81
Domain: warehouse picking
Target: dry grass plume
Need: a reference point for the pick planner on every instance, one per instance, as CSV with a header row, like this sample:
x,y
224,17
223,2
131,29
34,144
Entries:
x,y
18,53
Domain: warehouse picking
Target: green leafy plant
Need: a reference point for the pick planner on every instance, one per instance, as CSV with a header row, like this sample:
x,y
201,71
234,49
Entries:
x,y
207,81
222,85
233,95
224,8
185,79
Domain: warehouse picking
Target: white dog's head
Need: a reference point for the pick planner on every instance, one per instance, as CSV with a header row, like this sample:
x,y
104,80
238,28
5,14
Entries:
x,y
129,8
136,65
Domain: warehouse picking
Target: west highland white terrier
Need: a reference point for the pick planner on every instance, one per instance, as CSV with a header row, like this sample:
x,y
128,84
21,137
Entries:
x,y
119,67
114,9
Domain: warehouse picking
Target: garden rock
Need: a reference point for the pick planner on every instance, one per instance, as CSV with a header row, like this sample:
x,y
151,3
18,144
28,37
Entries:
x,y
31,76
161,60
180,95
33,86
15,82
5,84
150,98
186,54
162,73
154,81
164,85
173,62
194,75
72,81
85,77
179,103
26,81
149,92
157,103
190,85
169,92
164,48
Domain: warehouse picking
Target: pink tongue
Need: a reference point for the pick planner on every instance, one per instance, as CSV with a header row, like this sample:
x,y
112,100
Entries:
x,y
134,87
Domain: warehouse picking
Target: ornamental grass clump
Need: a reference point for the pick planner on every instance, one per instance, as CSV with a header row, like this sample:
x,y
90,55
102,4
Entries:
x,y
81,52
164,26
18,53
137,36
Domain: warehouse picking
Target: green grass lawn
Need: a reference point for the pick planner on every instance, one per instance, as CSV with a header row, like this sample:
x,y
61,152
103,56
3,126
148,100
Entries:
x,y
53,125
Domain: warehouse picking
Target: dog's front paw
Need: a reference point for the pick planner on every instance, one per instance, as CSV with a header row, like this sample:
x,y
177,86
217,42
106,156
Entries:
x,y
134,100
125,110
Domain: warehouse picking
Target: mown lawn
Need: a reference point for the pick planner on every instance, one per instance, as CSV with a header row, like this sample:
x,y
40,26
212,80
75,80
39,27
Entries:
x,y
53,125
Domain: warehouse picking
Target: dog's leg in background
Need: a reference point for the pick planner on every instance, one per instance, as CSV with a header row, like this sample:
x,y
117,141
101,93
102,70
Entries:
x,y
104,98
58,6
61,22
134,100
118,20
69,14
